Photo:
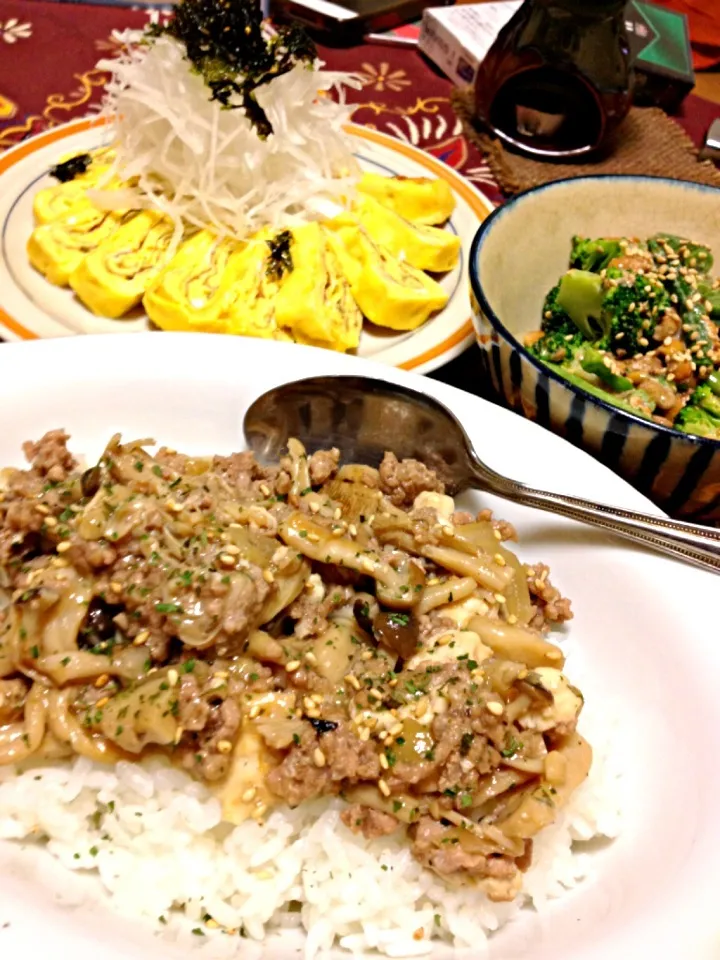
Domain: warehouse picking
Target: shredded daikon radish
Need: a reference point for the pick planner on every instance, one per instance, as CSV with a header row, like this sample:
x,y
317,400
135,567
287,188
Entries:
x,y
204,164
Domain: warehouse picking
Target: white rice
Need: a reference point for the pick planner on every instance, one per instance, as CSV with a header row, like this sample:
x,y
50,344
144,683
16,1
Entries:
x,y
156,840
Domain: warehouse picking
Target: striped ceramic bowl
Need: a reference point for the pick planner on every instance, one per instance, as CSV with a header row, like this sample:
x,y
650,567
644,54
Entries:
x,y
517,256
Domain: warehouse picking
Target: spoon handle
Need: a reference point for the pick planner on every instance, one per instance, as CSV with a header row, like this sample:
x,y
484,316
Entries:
x,y
686,541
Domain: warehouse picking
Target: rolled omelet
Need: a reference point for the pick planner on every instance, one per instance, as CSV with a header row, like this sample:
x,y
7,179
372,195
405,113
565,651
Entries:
x,y
249,308
190,291
423,247
59,200
389,292
57,249
419,199
113,277
314,300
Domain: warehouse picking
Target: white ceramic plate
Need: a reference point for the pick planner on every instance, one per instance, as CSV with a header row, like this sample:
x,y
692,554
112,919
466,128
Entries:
x,y
32,308
643,644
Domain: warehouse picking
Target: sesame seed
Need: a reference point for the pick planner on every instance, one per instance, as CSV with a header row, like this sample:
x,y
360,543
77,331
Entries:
x,y
313,538
259,811
212,924
383,788
631,307
366,655
444,640
497,534
173,677
221,674
174,507
314,507
116,587
337,513
226,560
42,508
364,734
51,522
268,576
224,746
233,550
384,762
311,658
499,559
396,730
58,562
317,698
368,565
512,619
708,306
254,711
292,665
420,707
353,681
554,655
643,341
101,702
667,341
308,703
374,694
264,489
495,708
393,682
248,795
102,680
500,598
352,530
141,638
319,757
337,531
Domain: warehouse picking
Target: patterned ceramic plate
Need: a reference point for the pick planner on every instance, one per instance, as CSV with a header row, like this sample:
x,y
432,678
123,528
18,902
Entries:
x,y
31,308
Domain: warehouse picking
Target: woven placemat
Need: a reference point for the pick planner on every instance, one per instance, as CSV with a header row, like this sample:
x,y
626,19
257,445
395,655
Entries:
x,y
648,142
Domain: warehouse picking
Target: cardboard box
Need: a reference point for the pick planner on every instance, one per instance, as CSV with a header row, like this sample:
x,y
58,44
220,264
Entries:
x,y
457,39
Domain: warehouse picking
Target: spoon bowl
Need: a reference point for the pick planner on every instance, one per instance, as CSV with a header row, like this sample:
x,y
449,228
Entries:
x,y
365,417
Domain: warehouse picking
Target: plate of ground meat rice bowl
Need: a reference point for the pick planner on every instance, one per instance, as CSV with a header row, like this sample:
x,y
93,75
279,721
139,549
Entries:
x,y
316,707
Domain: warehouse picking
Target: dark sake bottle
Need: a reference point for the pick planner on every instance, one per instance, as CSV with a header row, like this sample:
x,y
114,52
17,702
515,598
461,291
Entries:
x,y
557,80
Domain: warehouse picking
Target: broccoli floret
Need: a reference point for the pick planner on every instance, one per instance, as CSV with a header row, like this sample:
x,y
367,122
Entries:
x,y
632,311
690,254
593,255
701,415
705,397
581,295
696,420
560,335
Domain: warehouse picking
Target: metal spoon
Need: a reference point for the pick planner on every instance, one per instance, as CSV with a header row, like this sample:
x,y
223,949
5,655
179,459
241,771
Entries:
x,y
365,417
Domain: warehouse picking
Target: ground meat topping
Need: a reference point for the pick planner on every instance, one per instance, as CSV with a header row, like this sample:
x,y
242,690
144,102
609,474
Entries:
x,y
370,823
403,480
